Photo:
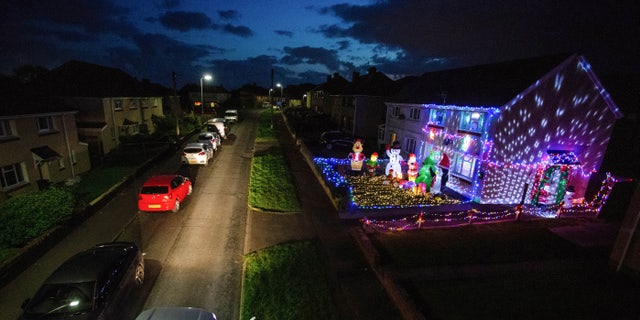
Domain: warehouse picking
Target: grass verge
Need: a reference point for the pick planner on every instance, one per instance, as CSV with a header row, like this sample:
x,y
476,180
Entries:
x,y
287,281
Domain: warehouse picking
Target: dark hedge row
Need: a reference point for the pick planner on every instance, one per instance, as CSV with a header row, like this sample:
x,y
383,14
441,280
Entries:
x,y
28,216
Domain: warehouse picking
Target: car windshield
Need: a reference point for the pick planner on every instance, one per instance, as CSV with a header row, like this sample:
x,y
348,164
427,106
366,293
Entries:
x,y
62,298
154,190
205,137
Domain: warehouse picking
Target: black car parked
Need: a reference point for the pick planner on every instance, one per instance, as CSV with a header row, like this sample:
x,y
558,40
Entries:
x,y
93,284
333,139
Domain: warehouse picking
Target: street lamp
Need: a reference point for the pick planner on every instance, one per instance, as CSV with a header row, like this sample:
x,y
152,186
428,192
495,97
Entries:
x,y
204,77
280,86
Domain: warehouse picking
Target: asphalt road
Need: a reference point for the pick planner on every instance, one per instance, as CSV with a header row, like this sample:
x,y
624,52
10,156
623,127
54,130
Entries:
x,y
193,257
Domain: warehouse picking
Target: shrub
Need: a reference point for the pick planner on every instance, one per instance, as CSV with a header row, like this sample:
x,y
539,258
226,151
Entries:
x,y
28,216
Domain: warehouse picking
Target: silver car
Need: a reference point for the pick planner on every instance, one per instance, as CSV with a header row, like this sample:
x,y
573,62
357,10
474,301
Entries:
x,y
197,153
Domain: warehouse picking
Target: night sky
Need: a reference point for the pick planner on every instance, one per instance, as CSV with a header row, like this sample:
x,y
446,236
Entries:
x,y
240,42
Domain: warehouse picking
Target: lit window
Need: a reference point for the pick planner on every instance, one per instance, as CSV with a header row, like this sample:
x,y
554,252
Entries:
x,y
437,117
472,121
12,175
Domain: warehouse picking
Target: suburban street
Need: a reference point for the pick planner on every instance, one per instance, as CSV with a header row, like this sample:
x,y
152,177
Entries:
x,y
193,257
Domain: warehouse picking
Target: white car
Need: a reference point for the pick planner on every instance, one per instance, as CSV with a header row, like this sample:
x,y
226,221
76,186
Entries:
x,y
218,127
197,153
211,138
231,115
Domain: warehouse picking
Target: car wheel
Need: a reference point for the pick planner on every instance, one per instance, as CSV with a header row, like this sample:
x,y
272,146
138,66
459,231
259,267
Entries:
x,y
139,274
176,207
190,190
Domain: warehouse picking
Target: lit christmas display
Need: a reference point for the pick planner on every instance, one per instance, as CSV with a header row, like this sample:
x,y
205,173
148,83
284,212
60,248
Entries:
x,y
536,153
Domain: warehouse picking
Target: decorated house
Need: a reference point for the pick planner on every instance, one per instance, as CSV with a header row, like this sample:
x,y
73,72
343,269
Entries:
x,y
540,146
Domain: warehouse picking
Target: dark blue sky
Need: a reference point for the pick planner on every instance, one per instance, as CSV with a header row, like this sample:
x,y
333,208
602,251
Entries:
x,y
239,42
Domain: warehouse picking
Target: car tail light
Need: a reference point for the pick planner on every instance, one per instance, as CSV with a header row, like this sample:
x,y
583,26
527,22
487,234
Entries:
x,y
201,153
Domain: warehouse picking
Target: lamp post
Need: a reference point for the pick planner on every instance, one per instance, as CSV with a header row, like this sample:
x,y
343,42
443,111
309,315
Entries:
x,y
204,77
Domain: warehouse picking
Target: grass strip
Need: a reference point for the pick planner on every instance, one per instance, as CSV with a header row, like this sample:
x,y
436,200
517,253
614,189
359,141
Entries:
x,y
287,281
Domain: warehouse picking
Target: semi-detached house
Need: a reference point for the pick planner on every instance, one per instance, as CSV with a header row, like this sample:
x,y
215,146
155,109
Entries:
x,y
547,138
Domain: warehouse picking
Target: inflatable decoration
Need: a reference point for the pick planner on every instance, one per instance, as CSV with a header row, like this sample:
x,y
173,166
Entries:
x,y
372,164
395,158
427,174
356,157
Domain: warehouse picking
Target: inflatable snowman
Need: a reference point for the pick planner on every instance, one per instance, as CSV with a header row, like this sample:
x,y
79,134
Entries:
x,y
395,158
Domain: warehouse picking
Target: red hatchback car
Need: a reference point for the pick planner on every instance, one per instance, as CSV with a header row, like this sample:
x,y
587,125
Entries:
x,y
164,193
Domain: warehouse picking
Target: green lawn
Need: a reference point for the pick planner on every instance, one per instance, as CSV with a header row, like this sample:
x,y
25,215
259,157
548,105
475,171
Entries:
x,y
287,281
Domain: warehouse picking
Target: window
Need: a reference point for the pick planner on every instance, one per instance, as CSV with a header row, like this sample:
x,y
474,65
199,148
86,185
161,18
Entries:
x,y
410,146
395,112
437,117
11,175
472,121
414,114
45,124
5,129
117,105
464,165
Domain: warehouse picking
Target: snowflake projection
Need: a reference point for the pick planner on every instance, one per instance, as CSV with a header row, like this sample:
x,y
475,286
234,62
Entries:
x,y
571,111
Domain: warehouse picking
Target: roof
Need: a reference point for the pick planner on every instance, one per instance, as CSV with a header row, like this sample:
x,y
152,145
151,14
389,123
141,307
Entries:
x,y
45,153
88,265
490,84
82,79
19,99
160,179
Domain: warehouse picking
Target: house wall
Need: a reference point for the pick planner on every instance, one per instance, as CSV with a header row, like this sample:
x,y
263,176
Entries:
x,y
123,116
63,139
565,110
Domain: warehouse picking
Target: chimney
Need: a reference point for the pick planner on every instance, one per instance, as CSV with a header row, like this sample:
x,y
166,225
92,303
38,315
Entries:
x,y
372,70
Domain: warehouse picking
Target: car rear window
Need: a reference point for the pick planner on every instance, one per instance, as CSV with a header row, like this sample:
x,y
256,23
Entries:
x,y
204,137
155,190
192,150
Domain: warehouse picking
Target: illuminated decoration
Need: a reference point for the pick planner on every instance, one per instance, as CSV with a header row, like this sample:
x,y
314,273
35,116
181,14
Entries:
x,y
356,157
393,152
372,165
427,174
473,216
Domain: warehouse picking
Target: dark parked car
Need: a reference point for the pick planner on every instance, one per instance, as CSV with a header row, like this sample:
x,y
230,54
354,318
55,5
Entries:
x,y
93,284
333,139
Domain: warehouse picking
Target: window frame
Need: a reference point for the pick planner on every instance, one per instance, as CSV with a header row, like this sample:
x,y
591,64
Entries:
x,y
18,174
48,122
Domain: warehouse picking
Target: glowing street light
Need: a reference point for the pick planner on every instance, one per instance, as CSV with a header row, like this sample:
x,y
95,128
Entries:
x,y
204,77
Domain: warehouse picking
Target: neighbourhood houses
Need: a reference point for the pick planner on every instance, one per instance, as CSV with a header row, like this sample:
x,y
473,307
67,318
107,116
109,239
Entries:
x,y
540,146
102,121
39,145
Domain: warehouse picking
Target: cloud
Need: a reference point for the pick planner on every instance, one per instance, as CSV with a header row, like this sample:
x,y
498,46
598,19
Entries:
x,y
240,31
469,33
284,33
310,55
185,21
228,14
